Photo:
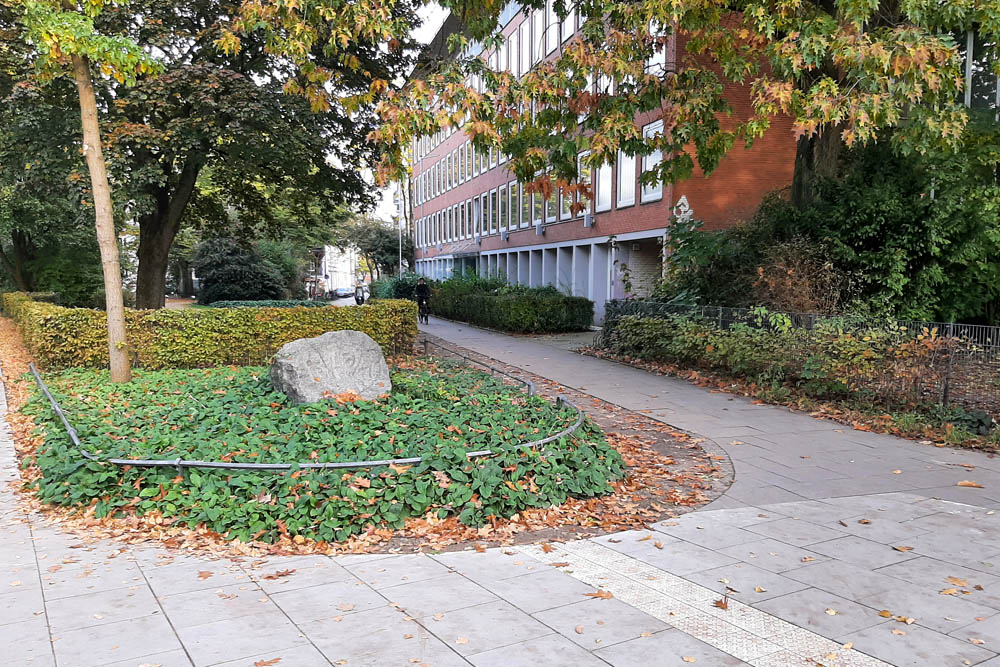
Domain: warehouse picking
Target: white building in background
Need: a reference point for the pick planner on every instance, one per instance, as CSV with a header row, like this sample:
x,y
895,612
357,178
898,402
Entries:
x,y
340,267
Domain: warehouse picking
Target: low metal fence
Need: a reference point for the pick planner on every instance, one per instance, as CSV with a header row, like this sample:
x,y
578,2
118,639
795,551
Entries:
x,y
561,403
963,368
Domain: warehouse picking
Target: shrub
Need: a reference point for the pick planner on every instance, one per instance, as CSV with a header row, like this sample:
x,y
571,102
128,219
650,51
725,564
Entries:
x,y
65,337
259,425
270,303
230,272
492,303
837,356
395,287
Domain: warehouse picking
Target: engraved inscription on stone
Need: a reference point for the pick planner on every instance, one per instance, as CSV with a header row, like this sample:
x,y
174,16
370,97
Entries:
x,y
309,369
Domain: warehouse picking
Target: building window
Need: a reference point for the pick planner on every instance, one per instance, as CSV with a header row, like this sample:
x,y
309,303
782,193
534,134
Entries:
x,y
513,210
537,209
602,187
513,50
538,39
484,212
525,205
525,60
455,156
981,90
461,163
494,211
470,170
656,64
626,179
502,64
585,173
493,157
552,203
569,23
504,209
651,162
469,219
551,27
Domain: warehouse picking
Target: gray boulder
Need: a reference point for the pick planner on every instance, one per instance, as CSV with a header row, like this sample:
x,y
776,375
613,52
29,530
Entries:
x,y
311,369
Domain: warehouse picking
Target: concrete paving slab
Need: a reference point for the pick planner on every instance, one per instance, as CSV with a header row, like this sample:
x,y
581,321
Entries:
x,y
306,605
593,624
486,627
440,594
236,638
669,648
811,609
550,651
919,647
115,642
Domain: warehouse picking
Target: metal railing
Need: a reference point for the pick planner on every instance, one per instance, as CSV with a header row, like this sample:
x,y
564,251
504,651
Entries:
x,y
180,464
964,369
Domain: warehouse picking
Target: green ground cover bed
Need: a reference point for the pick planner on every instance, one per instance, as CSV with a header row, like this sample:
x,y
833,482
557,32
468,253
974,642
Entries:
x,y
437,411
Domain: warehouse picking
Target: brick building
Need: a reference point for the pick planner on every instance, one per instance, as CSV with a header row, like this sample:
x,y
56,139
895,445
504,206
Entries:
x,y
469,212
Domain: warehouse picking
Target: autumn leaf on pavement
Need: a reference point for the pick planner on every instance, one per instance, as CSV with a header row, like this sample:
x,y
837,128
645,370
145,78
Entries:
x,y
548,548
603,595
278,575
722,604
560,564
970,484
462,640
345,606
903,548
204,574
579,629
267,663
956,581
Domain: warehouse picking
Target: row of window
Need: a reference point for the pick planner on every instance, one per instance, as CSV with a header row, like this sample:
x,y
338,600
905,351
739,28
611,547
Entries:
x,y
535,38
512,207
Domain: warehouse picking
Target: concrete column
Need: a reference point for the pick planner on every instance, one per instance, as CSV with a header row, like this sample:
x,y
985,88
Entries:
x,y
600,278
581,270
564,269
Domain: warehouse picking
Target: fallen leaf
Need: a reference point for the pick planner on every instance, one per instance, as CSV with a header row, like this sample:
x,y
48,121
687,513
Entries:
x,y
462,640
898,632
548,548
559,564
864,522
407,636
338,619
579,629
438,616
722,604
948,591
205,574
831,612
643,539
604,595
345,606
658,544
977,642
760,589
903,548
645,634
55,568
896,472
970,484
807,559
885,613
843,523
267,663
957,581
278,575
688,658
848,646
909,620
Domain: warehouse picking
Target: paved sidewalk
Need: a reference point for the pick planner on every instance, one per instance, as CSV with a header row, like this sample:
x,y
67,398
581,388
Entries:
x,y
803,542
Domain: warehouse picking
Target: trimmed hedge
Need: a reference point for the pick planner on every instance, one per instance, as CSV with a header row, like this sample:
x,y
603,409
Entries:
x,y
270,303
517,312
65,337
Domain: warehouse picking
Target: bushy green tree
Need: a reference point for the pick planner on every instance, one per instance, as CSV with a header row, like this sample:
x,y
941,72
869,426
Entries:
x,y
230,271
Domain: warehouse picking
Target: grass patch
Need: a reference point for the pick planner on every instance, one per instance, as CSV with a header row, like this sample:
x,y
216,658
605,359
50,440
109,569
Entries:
x,y
439,412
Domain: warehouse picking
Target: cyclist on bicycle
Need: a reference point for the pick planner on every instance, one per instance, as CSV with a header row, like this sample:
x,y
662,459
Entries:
x,y
423,296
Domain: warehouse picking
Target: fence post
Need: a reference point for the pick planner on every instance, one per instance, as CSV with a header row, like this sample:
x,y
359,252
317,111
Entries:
x,y
946,393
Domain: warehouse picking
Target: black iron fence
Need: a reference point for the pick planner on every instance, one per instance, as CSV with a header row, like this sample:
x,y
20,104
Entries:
x,y
957,364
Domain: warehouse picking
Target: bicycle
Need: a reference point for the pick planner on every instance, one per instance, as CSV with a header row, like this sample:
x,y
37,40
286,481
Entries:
x,y
423,312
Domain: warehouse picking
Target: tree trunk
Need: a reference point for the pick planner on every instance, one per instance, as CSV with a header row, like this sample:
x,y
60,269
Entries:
x,y
16,262
157,232
118,354
155,239
817,158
